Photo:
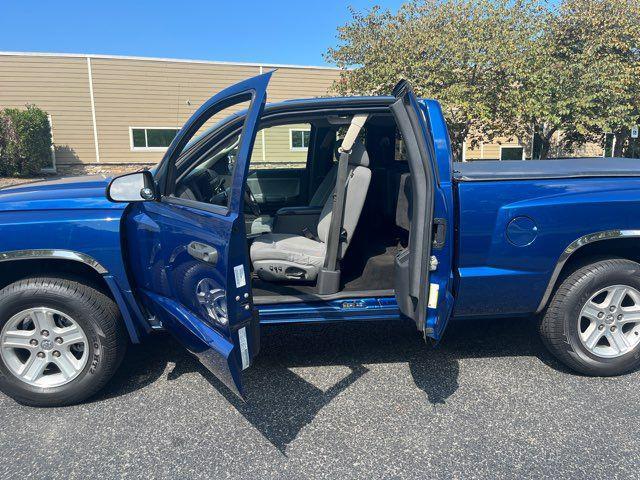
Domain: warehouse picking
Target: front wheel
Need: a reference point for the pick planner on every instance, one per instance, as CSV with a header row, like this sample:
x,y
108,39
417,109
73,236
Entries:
x,y
60,341
592,323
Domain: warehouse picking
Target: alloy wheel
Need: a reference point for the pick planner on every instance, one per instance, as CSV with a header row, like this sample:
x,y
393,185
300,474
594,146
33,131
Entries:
x,y
609,322
44,347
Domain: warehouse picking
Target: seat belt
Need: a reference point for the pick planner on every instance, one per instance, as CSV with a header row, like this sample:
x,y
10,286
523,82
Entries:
x,y
329,275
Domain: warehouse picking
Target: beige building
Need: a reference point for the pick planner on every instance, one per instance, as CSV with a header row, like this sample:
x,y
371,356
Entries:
x,y
510,149
107,111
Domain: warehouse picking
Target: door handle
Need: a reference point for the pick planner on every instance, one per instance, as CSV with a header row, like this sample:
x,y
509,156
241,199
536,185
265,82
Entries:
x,y
203,252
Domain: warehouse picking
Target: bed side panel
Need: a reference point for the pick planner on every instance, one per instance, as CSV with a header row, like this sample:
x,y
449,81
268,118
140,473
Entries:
x,y
501,273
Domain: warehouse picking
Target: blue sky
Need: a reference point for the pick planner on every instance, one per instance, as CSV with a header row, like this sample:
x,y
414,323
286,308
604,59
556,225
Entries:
x,y
290,32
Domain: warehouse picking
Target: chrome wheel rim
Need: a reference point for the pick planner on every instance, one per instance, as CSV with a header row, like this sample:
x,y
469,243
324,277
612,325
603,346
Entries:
x,y
609,323
44,347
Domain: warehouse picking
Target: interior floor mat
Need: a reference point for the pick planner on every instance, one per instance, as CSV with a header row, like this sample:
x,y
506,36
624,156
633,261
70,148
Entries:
x,y
377,273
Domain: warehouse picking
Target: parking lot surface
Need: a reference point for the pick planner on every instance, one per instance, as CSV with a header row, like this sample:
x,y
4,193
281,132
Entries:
x,y
341,401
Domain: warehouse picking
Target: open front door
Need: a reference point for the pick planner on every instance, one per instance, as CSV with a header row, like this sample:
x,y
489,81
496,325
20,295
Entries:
x,y
423,270
187,250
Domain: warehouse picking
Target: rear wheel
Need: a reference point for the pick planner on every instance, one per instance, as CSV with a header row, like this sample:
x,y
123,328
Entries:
x,y
60,341
593,321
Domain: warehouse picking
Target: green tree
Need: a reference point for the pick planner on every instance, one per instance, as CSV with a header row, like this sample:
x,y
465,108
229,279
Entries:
x,y
609,34
468,54
582,74
506,68
25,141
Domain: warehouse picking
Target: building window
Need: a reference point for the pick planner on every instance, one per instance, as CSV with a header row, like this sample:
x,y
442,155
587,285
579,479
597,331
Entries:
x,y
299,139
151,138
511,153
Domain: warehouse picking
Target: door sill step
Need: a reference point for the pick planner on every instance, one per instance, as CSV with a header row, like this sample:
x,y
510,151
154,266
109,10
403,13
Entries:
x,y
308,298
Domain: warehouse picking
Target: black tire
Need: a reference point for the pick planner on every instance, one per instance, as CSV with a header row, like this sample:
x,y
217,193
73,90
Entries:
x,y
559,325
95,313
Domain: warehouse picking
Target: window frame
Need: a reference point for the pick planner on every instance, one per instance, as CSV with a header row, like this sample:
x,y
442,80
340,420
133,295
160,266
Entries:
x,y
146,139
512,146
298,149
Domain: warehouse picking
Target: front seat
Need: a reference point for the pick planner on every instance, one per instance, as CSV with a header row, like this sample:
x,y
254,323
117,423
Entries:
x,y
284,256
265,223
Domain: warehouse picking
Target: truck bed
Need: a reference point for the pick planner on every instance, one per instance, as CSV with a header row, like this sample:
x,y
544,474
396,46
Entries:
x,y
495,170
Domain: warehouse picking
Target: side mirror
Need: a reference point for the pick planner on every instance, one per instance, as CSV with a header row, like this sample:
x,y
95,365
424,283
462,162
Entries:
x,y
132,187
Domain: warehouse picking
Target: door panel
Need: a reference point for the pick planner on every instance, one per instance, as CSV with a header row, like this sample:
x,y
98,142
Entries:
x,y
423,270
276,188
189,259
442,249
173,282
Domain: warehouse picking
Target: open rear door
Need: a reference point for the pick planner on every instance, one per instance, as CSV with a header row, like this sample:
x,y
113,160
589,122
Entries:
x,y
423,269
188,251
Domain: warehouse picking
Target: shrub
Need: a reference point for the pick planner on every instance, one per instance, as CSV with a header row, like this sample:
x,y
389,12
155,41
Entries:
x,y
25,141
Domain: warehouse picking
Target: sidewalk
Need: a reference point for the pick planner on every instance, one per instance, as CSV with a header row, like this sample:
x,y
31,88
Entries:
x,y
7,181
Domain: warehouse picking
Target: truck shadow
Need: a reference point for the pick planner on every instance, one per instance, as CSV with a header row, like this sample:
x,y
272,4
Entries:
x,y
280,402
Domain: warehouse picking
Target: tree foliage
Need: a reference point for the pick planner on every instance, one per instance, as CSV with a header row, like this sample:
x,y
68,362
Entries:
x,y
602,38
25,141
503,68
583,76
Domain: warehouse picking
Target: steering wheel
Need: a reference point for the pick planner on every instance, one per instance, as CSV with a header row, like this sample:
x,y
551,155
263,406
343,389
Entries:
x,y
250,200
217,184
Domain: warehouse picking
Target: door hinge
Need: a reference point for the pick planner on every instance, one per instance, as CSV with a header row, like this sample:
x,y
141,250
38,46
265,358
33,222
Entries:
x,y
433,263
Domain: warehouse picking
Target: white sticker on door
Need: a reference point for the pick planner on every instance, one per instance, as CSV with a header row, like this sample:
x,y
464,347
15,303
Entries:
x,y
244,347
434,288
238,272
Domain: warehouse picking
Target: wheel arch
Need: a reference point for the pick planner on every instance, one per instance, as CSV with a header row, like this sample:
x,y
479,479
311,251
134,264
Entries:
x,y
66,264
590,248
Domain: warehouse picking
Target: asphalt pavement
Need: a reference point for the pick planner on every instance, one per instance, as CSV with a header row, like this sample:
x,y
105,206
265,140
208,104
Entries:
x,y
341,401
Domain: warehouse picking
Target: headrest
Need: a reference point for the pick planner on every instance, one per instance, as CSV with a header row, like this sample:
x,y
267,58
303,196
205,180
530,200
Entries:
x,y
359,155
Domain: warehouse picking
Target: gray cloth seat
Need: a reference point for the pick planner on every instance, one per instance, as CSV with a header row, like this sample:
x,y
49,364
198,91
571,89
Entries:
x,y
282,255
324,190
265,223
278,256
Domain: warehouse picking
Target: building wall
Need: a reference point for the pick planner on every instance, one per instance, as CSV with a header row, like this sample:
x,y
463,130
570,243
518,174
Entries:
x,y
489,151
492,151
58,85
142,92
146,93
137,92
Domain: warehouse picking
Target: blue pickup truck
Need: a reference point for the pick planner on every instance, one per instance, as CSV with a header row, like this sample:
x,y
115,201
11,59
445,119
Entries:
x,y
382,226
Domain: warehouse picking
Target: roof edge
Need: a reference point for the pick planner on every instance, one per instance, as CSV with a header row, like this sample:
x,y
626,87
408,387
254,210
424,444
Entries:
x,y
159,59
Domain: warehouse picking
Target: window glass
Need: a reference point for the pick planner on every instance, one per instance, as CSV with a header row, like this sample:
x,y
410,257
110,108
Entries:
x,y
400,150
139,140
276,173
152,137
299,138
511,153
218,120
341,132
281,146
205,172
157,137
296,139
